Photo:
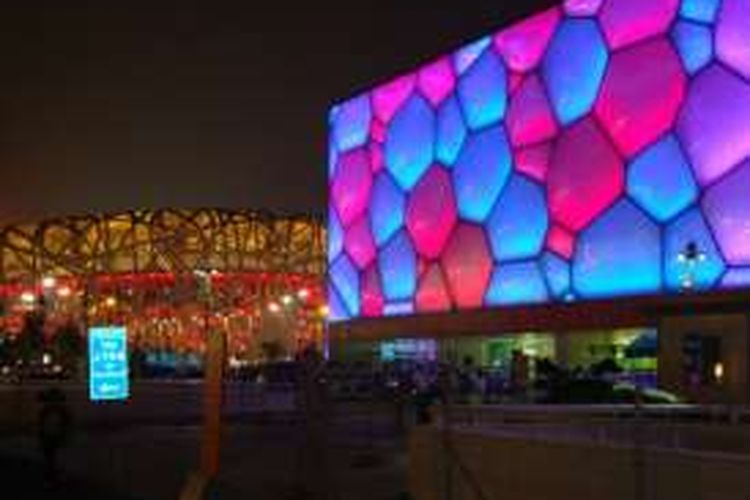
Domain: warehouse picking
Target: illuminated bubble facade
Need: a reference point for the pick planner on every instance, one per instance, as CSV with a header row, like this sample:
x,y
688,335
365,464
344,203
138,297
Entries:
x,y
598,149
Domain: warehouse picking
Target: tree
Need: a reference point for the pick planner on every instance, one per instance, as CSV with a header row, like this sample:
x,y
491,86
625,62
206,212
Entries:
x,y
31,341
6,349
68,345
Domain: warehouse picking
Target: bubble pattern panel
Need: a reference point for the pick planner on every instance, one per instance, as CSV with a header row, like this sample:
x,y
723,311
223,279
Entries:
x,y
598,149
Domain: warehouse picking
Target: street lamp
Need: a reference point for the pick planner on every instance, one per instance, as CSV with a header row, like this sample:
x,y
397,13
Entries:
x,y
288,308
691,256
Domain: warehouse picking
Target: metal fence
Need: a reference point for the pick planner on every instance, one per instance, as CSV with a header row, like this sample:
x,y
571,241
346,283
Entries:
x,y
619,451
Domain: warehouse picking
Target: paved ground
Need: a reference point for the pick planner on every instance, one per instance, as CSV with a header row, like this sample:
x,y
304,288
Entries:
x,y
265,460
23,478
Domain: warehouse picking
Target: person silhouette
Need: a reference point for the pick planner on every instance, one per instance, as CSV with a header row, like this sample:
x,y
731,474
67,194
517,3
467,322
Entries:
x,y
54,426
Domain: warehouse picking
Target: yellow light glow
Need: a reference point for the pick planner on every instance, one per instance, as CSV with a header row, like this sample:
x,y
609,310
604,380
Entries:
x,y
110,302
274,308
64,292
49,282
324,311
719,371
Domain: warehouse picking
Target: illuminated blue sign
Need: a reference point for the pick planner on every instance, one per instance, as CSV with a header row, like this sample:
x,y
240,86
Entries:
x,y
108,364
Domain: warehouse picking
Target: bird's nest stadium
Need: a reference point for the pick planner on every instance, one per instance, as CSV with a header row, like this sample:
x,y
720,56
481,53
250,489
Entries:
x,y
168,276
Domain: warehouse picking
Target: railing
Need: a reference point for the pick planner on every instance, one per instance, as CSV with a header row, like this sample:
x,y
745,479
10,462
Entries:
x,y
639,452
686,427
151,402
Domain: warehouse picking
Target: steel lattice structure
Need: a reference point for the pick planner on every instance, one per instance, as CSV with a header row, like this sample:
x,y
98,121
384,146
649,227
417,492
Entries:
x,y
169,240
143,268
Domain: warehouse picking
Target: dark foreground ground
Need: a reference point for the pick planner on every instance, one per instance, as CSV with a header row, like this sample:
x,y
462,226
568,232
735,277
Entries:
x,y
357,454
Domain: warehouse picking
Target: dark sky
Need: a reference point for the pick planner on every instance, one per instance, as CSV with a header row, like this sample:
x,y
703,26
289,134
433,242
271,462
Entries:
x,y
112,104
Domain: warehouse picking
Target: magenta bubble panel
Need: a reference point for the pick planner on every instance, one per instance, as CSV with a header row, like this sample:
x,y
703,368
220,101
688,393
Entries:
x,y
598,149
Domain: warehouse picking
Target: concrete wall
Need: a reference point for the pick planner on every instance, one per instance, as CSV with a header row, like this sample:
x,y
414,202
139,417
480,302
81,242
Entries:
x,y
520,468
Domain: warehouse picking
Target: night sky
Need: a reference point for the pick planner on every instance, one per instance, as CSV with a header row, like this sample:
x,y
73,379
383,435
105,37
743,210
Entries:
x,y
116,104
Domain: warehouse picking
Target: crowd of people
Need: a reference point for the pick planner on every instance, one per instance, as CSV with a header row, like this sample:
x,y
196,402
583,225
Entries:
x,y
523,380
462,382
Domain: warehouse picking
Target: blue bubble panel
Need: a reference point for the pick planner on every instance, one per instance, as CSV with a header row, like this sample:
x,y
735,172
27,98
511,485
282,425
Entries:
x,y
466,56
557,273
451,132
398,309
483,91
409,142
574,67
736,278
620,254
700,10
398,268
481,172
335,235
661,181
387,208
515,284
336,308
345,279
518,223
350,123
694,42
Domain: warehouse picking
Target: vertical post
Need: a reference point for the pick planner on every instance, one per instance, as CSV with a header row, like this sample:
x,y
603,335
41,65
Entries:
x,y
212,385
82,363
212,403
640,486
446,436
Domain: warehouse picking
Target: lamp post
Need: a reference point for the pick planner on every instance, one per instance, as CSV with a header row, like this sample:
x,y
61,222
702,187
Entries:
x,y
691,257
295,310
286,309
323,313
212,386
